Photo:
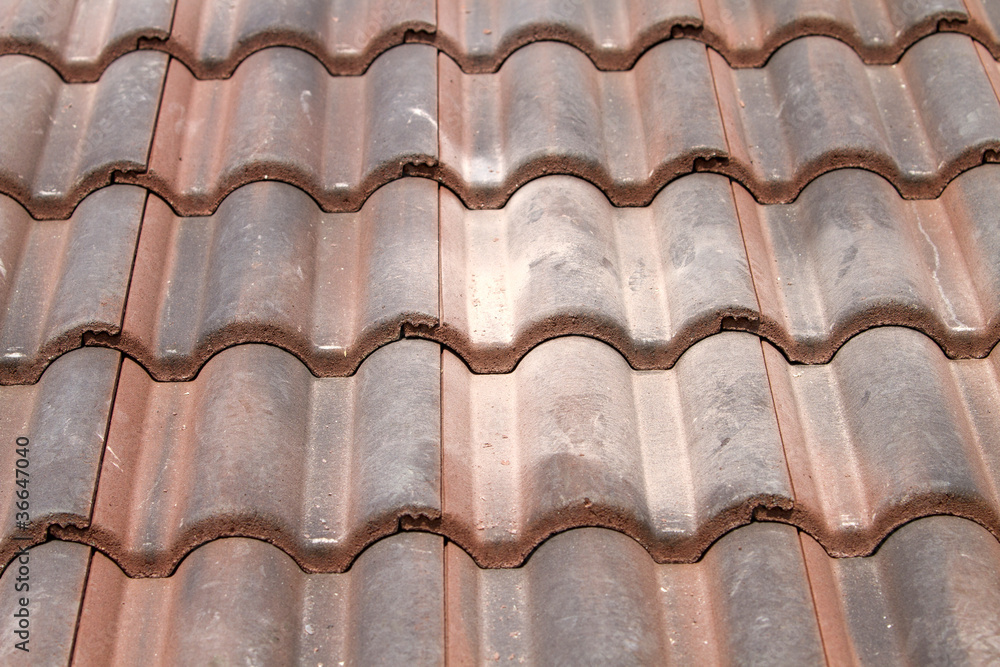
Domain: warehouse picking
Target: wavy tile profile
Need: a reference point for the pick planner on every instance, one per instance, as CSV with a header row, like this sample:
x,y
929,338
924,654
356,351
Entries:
x,y
234,601
849,254
72,275
816,107
270,267
548,110
929,595
65,418
574,437
879,31
52,583
283,117
888,431
480,34
258,447
813,108
560,259
80,38
61,141
213,38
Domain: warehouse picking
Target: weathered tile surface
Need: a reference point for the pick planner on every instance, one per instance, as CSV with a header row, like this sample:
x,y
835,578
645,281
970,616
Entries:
x,y
258,447
61,141
70,275
80,38
270,267
283,117
65,418
239,601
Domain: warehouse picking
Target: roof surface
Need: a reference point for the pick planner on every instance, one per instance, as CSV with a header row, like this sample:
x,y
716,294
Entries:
x,y
558,332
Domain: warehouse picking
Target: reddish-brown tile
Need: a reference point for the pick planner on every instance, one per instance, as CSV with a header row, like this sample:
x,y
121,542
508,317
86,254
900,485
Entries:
x,y
574,437
65,418
79,39
283,117
71,276
928,597
888,431
548,110
984,24
271,267
592,596
239,601
747,33
849,254
480,34
61,141
559,259
816,107
212,38
258,447
50,579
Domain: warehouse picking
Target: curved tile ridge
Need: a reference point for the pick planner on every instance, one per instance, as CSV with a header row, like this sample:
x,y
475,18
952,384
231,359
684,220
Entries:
x,y
814,108
79,39
70,275
319,467
879,31
888,431
213,38
849,255
574,437
929,595
52,584
560,259
548,110
240,600
338,138
269,266
64,418
61,141
480,35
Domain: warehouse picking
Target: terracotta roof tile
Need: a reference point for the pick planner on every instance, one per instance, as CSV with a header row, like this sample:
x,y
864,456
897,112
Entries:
x,y
213,38
80,39
72,275
283,117
104,127
270,266
573,437
320,467
888,431
65,418
277,616
56,577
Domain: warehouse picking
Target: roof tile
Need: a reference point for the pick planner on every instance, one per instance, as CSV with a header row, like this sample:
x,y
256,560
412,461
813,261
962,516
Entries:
x,y
574,437
888,431
560,259
65,418
72,275
80,39
56,576
63,140
269,266
258,447
283,117
220,612
213,38
816,107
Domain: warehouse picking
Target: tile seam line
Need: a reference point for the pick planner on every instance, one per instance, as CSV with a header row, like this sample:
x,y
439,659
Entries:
x,y
83,600
812,589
